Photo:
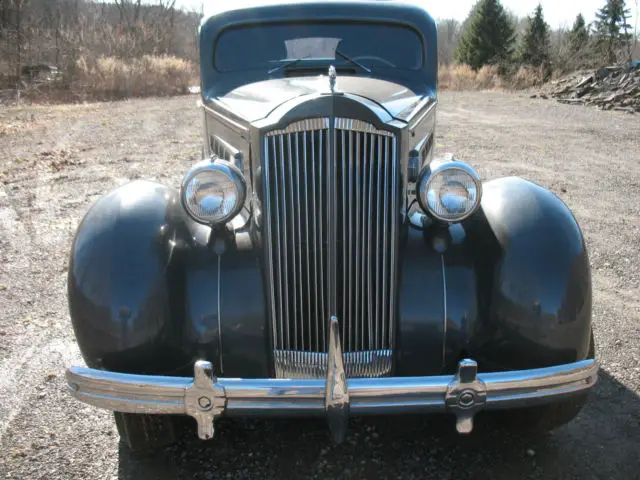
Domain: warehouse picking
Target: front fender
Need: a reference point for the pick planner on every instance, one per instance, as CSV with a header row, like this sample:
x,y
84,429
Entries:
x,y
525,264
148,292
119,281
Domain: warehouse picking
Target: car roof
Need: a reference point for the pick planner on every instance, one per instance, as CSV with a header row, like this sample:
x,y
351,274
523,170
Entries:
x,y
215,7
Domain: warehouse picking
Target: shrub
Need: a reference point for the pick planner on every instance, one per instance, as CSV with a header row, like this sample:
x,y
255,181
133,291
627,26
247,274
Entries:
x,y
526,77
149,75
463,77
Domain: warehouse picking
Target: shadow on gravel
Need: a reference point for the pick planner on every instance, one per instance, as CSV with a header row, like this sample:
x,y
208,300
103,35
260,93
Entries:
x,y
601,443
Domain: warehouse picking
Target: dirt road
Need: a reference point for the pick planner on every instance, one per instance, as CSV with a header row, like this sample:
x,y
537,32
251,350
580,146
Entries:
x,y
54,162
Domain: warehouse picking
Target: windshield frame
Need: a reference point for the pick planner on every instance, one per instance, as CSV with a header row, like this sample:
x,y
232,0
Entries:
x,y
320,63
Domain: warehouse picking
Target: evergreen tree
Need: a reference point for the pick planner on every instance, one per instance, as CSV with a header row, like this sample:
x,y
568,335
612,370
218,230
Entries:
x,y
535,45
488,37
579,35
612,29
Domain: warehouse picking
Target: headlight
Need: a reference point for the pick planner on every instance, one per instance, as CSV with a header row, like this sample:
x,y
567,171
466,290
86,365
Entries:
x,y
449,190
213,192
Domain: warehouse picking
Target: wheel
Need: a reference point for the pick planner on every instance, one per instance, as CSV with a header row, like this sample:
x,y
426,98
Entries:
x,y
145,434
542,419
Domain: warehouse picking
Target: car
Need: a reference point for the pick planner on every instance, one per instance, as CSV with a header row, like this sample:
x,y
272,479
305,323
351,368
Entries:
x,y
321,259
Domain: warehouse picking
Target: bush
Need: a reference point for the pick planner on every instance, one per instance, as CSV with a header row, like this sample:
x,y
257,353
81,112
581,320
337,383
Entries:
x,y
526,77
463,77
149,75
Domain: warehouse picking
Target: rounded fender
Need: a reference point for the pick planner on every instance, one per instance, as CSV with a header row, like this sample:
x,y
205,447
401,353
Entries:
x,y
118,284
533,278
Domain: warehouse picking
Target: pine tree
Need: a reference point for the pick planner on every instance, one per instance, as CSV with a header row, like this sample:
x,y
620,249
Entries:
x,y
612,29
579,35
535,45
488,37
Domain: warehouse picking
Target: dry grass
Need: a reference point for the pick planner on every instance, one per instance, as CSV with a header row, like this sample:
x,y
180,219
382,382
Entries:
x,y
463,77
110,77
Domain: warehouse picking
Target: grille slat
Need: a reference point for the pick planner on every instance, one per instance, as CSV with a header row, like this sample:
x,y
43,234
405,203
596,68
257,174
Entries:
x,y
370,288
298,241
321,238
306,204
290,229
301,240
385,246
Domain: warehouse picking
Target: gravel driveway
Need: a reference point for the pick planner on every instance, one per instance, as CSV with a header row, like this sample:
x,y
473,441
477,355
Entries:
x,y
55,161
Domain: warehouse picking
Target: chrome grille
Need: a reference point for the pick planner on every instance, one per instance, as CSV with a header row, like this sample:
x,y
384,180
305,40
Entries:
x,y
298,246
294,364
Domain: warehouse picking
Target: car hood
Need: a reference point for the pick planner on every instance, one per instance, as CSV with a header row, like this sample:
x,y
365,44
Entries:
x,y
256,100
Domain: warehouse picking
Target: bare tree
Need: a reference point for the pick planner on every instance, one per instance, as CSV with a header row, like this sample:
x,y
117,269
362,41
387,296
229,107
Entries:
x,y
167,21
129,11
448,36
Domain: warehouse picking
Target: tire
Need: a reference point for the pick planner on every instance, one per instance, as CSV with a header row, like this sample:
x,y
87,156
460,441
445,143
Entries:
x,y
543,419
145,434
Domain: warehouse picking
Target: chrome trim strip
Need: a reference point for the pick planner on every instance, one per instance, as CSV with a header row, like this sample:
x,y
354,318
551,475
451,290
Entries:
x,y
346,270
289,193
428,101
385,214
332,225
284,252
308,245
205,131
220,312
356,324
316,306
379,334
354,125
270,265
362,274
279,315
206,398
371,308
323,298
395,233
302,126
298,240
349,318
444,320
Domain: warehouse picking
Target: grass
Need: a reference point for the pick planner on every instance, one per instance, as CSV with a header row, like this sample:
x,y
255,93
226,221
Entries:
x,y
463,77
149,75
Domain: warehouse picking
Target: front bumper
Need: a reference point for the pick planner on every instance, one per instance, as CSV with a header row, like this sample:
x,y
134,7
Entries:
x,y
205,397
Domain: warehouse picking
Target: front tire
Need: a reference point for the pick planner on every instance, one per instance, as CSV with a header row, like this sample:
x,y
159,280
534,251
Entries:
x,y
145,434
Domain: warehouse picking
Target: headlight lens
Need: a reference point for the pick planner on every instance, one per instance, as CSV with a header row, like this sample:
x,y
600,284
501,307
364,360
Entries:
x,y
213,192
449,190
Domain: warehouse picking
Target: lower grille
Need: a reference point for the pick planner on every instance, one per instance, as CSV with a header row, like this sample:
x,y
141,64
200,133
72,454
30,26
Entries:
x,y
294,364
298,221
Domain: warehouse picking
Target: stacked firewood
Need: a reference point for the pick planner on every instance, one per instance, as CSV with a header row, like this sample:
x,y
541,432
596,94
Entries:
x,y
609,88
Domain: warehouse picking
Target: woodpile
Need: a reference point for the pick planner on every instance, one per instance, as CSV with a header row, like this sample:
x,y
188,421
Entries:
x,y
609,88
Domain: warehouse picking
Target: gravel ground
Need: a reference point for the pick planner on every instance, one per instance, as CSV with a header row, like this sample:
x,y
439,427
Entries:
x,y
55,161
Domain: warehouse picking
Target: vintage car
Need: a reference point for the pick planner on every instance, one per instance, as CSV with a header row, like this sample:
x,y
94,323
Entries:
x,y
320,259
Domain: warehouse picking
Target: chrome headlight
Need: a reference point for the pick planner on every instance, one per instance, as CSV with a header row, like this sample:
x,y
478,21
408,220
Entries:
x,y
449,190
213,192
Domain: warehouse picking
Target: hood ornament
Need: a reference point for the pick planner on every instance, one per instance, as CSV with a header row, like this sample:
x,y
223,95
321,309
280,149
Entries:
x,y
333,76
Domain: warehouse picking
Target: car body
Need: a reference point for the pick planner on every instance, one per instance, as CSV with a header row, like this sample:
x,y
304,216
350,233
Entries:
x,y
321,260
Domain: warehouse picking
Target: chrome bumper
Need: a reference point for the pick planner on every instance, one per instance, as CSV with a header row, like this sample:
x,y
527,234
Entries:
x,y
205,397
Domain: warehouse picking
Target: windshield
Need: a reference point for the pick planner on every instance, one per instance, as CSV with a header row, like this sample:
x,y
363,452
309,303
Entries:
x,y
263,47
